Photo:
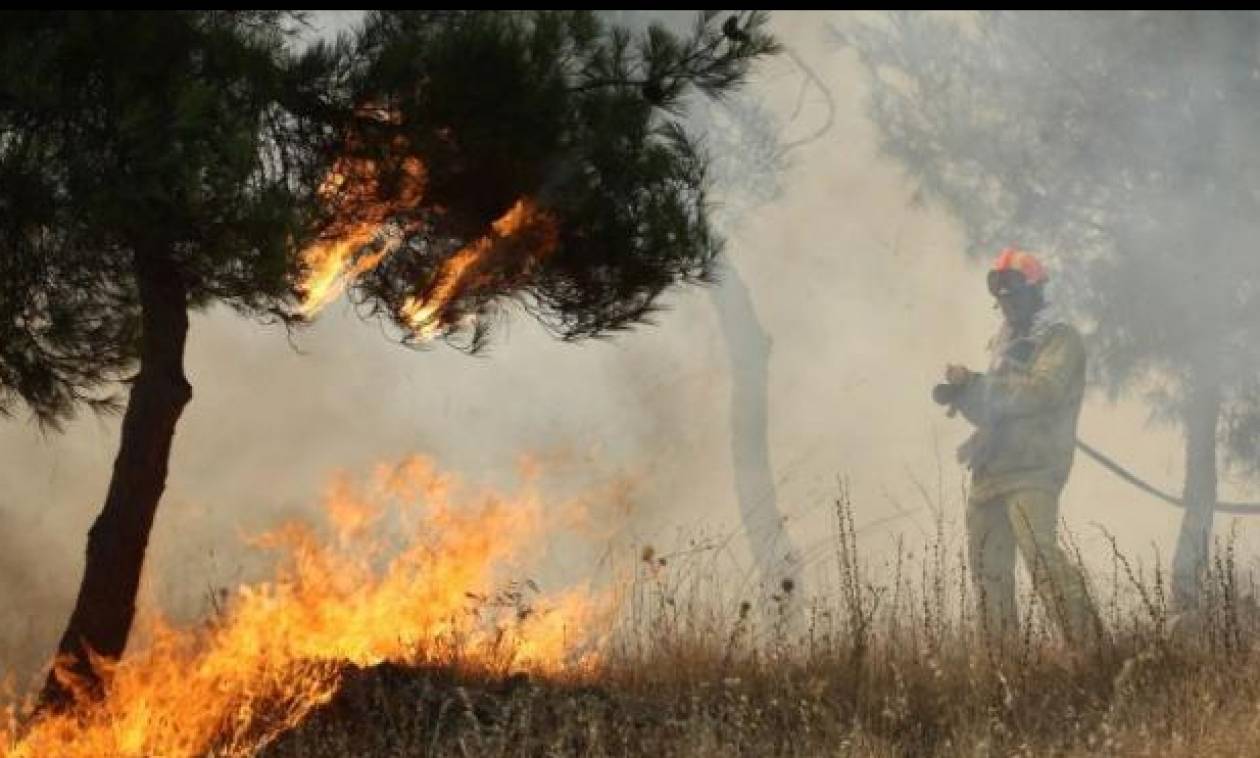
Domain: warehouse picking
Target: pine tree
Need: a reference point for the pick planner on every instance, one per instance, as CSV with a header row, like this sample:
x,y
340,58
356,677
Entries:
x,y
435,164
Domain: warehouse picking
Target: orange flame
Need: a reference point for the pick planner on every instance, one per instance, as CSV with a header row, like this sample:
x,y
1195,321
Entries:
x,y
234,684
349,190
459,273
362,240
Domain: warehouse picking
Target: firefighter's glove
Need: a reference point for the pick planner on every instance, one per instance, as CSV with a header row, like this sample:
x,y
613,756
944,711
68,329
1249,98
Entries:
x,y
947,394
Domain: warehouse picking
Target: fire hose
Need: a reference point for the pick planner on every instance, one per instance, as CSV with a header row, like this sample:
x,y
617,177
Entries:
x,y
1241,509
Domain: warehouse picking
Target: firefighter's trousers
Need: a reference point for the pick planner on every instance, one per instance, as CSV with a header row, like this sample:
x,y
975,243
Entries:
x,y
1026,520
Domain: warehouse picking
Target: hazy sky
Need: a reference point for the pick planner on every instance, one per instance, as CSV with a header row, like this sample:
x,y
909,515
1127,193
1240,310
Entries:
x,y
866,298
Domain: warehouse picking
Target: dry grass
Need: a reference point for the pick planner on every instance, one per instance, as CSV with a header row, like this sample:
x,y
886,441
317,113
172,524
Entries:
x,y
893,668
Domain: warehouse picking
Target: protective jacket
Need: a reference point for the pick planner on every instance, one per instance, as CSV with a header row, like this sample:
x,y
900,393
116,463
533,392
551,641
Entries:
x,y
1025,409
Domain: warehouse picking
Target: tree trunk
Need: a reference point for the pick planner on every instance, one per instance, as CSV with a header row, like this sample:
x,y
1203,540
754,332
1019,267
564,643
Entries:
x,y
748,345
105,607
1203,410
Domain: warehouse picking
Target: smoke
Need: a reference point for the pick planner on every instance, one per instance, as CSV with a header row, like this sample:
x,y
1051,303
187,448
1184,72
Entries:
x,y
865,293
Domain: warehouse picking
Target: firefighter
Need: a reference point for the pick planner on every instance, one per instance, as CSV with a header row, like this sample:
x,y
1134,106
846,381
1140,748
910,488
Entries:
x,y
1024,409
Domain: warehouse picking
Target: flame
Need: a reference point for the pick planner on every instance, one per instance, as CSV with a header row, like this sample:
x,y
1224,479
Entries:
x,y
232,685
352,248
349,191
459,273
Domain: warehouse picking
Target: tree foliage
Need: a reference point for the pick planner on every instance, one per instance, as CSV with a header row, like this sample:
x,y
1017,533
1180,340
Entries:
x,y
207,136
1121,143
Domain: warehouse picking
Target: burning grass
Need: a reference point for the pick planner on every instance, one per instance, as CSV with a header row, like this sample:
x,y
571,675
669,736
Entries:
x,y
898,668
382,652
412,571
